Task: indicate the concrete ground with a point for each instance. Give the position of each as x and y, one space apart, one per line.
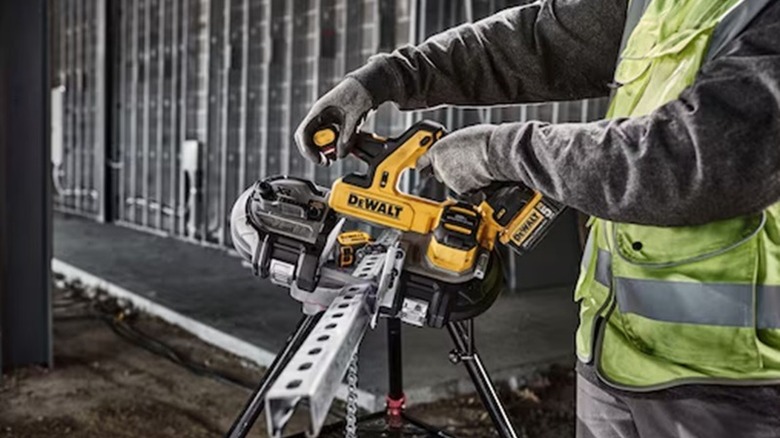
522 333
137 376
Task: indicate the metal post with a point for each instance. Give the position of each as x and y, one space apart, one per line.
183 112
146 115
132 154
104 110
288 88
395 359
465 352
223 123
118 167
264 102
174 139
77 151
25 169
160 102
244 90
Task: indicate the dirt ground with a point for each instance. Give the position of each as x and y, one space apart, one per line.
103 385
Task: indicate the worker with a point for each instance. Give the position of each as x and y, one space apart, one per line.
679 291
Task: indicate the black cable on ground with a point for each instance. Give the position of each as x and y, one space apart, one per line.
116 319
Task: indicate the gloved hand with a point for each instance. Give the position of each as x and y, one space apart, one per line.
344 106
459 160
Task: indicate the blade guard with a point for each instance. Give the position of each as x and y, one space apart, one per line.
375 196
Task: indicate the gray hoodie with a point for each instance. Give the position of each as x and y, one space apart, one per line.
712 154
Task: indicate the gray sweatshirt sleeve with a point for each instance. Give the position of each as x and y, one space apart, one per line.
546 50
712 154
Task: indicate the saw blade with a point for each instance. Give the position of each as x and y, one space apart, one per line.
330 242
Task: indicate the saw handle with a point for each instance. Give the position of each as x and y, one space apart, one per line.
363 145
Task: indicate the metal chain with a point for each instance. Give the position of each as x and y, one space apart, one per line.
352 398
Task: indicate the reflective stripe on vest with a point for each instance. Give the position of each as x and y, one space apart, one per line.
720 304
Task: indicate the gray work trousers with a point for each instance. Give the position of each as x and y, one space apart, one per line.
603 413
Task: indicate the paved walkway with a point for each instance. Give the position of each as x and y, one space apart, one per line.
522 332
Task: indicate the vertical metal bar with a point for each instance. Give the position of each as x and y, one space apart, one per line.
123 111
67 126
147 108
69 180
264 102
72 183
61 38
78 108
89 96
160 103
395 360
469 10
134 107
584 110
83 107
242 130
74 107
288 95
205 171
88 186
182 105
174 139
100 108
243 96
223 125
88 120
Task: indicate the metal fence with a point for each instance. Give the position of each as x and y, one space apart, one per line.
169 108
77 53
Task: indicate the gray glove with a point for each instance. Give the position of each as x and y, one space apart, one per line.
342 108
459 160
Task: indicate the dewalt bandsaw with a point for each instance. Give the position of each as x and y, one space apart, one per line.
511 213
434 264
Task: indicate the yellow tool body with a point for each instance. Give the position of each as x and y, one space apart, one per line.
455 242
376 196
515 215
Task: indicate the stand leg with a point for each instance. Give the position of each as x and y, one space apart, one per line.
243 424
395 396
463 338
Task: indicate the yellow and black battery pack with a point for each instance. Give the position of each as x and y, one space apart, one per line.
523 215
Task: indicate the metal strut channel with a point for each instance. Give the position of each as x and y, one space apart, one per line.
315 372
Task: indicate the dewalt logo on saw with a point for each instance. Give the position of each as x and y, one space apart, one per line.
374 205
527 227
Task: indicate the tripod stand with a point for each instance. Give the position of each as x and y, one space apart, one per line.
393 421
